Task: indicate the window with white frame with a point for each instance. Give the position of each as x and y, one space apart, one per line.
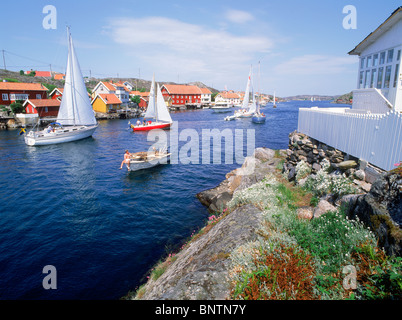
4 96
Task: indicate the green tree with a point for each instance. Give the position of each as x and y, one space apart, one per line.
16 107
135 99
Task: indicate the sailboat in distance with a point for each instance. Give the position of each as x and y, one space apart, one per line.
75 119
156 110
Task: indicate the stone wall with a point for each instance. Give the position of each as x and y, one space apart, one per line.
301 147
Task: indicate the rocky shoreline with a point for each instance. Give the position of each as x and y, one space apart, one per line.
201 269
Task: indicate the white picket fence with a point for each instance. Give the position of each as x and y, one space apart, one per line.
376 138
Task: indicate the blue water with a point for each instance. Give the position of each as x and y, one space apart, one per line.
102 228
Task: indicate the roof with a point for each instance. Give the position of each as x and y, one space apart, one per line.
205 91
46 74
110 98
40 103
22 86
181 89
229 95
377 33
139 93
60 90
59 76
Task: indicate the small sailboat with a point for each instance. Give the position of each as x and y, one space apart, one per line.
274 101
156 110
248 108
75 119
145 160
258 116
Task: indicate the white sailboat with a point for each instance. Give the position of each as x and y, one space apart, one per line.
156 110
258 116
274 101
76 119
248 108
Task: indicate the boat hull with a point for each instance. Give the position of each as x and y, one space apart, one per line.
258 119
221 110
63 135
136 165
151 127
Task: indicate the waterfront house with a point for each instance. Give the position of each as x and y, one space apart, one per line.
372 128
106 103
206 96
228 97
42 107
104 87
182 95
18 91
379 85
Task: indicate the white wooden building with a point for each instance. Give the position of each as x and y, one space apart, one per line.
372 128
379 84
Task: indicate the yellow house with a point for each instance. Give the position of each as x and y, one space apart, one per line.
106 103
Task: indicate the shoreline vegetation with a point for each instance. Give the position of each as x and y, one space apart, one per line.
271 237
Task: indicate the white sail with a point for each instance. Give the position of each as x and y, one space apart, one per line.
151 109
162 111
75 107
247 93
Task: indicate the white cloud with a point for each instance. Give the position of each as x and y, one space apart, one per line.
172 46
238 16
316 65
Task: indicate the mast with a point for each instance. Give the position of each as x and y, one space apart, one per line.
71 73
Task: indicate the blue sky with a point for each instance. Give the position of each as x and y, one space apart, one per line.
302 45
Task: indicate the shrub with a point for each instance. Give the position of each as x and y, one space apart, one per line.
286 273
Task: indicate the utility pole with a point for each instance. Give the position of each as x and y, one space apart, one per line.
4 61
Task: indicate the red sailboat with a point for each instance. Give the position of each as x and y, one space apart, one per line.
156 110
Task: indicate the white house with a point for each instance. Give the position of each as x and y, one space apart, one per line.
372 128
112 88
228 97
379 86
206 96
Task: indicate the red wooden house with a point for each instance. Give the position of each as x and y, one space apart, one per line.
57 93
14 91
182 95
43 107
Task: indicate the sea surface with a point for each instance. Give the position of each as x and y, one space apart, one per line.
102 229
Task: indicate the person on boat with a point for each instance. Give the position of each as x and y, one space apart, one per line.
138 122
49 128
126 160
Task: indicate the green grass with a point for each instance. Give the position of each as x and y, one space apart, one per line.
332 241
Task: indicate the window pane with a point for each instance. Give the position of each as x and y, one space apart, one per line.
382 57
399 55
368 62
390 55
387 78
367 80
362 63
373 74
396 75
361 80
375 60
379 79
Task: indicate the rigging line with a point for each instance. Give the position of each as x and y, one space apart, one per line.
23 57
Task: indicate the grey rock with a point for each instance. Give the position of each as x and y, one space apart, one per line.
200 270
